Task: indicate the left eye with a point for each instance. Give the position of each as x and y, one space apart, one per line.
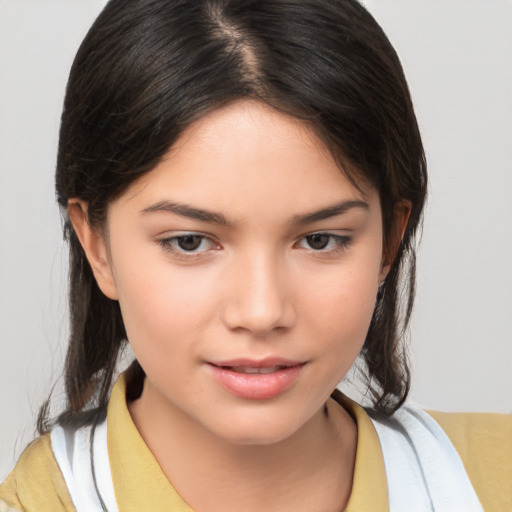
187 243
324 242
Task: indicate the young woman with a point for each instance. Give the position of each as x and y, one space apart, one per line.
242 182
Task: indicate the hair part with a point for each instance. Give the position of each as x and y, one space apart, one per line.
147 69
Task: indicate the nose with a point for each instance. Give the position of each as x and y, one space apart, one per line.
258 298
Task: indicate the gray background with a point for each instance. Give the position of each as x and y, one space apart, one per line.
457 56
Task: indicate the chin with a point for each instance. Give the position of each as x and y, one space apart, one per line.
256 433
256 438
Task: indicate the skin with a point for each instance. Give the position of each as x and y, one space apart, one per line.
256 286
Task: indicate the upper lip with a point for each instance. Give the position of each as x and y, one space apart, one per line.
267 362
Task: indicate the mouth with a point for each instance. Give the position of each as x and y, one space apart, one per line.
256 380
251 370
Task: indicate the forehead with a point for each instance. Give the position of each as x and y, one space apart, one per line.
248 156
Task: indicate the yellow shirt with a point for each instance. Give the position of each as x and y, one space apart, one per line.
484 442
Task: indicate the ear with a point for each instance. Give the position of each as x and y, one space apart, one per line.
401 214
94 245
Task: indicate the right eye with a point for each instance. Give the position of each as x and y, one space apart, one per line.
188 243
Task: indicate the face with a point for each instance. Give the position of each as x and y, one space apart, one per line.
246 266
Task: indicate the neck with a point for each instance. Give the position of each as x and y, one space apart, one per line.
313 465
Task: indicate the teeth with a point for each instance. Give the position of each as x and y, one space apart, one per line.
251 370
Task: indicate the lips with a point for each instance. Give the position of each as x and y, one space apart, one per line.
256 380
253 370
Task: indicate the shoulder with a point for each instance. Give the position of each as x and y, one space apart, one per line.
36 483
484 443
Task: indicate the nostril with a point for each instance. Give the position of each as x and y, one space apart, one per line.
258 299
259 321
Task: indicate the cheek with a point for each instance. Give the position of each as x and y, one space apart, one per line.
161 305
341 309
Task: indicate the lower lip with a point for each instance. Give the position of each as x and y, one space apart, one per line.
256 386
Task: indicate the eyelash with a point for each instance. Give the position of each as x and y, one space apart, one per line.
171 244
337 243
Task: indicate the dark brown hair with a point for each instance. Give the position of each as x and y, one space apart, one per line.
149 68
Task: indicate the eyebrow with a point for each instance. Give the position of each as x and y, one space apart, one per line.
189 212
217 218
330 211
